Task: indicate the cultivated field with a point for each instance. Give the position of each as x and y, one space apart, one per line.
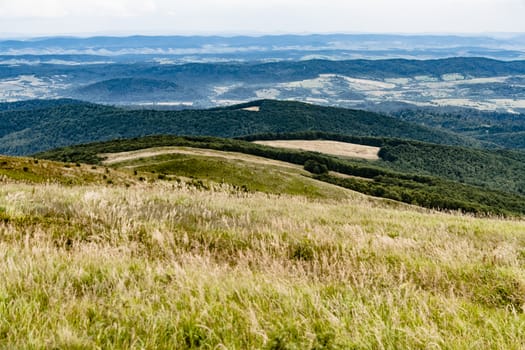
336 148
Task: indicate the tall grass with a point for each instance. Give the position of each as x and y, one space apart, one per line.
168 265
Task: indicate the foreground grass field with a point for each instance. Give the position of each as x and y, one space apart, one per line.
168 264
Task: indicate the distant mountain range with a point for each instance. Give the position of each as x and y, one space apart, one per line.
476 83
478 98
282 47
367 71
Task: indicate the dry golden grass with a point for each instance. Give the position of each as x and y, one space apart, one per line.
336 148
165 265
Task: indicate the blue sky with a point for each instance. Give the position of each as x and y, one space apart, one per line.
88 17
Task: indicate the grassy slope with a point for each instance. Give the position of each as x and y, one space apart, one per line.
208 170
162 265
42 171
244 172
431 192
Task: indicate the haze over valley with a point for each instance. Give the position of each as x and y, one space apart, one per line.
335 70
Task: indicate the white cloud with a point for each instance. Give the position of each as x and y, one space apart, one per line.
77 8
263 16
28 8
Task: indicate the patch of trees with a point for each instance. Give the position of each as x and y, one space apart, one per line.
315 167
501 170
437 194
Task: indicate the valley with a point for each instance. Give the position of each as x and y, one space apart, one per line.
415 164
469 83
157 76
328 89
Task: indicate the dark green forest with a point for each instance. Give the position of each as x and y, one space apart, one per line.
495 129
26 131
498 169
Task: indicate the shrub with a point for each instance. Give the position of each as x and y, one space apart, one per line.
315 167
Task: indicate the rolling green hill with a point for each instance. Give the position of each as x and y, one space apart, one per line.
397 179
451 176
24 132
134 89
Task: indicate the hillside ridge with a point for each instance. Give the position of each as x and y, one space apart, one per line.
67 123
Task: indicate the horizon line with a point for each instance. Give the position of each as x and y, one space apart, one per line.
116 34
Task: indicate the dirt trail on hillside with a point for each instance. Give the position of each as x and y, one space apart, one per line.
113 158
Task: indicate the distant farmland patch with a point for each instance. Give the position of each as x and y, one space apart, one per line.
335 148
252 109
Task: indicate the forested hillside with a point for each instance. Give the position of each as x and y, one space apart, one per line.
25 131
499 169
503 129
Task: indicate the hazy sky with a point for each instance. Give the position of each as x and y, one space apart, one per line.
45 17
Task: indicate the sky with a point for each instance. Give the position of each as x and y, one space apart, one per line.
255 17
